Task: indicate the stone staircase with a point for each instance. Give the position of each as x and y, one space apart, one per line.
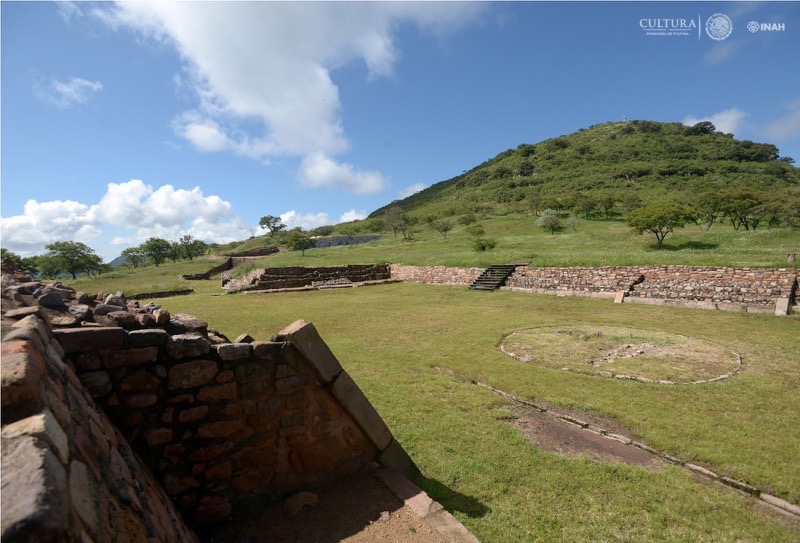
492 277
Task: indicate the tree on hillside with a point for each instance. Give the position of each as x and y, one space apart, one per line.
443 226
134 255
271 223
298 240
549 220
708 208
392 219
660 219
157 249
406 226
467 218
192 247
72 257
743 206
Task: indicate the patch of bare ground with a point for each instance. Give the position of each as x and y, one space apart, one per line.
550 433
357 509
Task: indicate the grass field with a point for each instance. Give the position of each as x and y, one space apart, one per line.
593 243
393 339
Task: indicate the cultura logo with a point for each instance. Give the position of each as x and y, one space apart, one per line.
719 26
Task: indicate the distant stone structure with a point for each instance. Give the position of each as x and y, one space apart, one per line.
297 277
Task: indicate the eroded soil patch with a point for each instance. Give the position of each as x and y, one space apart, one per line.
644 355
552 434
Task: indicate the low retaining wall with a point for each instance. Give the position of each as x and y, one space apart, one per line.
752 289
435 275
264 251
295 277
704 287
162 294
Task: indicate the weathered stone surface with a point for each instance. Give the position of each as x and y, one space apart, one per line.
158 436
214 393
105 309
191 374
113 299
141 381
132 357
123 319
220 429
147 338
193 414
51 299
187 345
90 339
305 338
42 426
186 324
21 312
84 495
34 492
176 484
232 351
396 458
98 383
244 338
81 312
22 371
139 400
302 501
254 370
353 399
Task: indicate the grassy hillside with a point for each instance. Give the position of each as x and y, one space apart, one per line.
628 162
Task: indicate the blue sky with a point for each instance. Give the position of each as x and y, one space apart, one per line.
125 121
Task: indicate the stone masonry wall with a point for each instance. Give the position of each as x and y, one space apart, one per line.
757 289
67 474
435 275
220 427
295 276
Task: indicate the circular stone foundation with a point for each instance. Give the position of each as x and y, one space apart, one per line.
624 353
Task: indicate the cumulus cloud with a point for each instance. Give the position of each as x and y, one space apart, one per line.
353 215
268 65
728 120
138 209
412 189
64 94
309 221
317 170
786 127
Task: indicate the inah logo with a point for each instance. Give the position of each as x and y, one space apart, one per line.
719 26
755 26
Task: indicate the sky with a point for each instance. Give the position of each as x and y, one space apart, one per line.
124 121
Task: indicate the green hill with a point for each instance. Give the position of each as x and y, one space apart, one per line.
620 165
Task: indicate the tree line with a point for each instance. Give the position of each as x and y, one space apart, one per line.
75 258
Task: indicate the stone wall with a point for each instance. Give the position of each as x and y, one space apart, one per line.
753 289
67 473
264 251
221 428
296 277
435 275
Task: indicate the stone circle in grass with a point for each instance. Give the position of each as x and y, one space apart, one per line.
622 352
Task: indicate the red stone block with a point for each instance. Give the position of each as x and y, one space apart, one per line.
220 471
192 374
140 400
141 381
158 436
218 430
193 413
218 393
132 357
90 339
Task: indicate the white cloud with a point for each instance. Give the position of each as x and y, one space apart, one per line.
412 189
293 219
353 215
317 170
308 221
721 52
268 65
137 209
68 10
68 93
786 127
728 120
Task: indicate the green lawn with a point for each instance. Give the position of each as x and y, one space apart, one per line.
594 243
393 338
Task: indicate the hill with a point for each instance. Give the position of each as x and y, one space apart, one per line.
620 165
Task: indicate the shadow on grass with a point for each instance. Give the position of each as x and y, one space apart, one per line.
690 245
453 501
